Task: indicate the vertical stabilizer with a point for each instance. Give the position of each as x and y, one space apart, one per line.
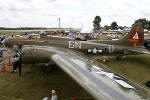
135 37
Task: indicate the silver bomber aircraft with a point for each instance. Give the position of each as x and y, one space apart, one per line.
71 56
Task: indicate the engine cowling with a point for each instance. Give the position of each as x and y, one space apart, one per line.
31 55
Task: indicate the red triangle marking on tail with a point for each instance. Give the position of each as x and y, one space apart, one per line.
135 36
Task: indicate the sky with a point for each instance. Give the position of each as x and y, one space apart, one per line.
72 13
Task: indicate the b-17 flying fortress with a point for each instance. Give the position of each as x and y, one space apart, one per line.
74 49
70 55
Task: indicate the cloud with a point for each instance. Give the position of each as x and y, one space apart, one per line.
73 13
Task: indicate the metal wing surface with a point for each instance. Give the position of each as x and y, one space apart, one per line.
100 83
140 50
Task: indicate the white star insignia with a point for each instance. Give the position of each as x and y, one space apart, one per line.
95 50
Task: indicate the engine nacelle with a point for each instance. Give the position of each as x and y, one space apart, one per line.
31 55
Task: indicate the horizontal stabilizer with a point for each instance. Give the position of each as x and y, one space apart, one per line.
140 50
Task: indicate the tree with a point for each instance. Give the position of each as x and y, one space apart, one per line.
114 26
106 27
120 27
96 22
143 21
148 25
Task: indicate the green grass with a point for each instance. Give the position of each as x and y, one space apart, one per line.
34 85
1 46
15 33
12 32
136 68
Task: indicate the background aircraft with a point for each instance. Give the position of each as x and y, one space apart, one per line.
67 54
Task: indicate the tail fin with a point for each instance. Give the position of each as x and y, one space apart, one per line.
135 37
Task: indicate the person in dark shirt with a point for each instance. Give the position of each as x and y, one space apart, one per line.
16 59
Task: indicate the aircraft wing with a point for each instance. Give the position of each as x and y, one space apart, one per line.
100 83
140 50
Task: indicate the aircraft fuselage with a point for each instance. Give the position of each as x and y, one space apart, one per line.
90 48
